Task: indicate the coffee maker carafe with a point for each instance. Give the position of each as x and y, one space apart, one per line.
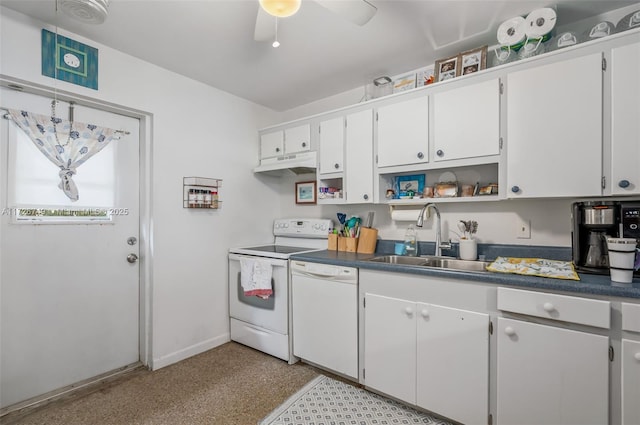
593 222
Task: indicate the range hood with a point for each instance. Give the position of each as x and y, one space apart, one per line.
298 163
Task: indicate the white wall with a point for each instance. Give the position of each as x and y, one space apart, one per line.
197 130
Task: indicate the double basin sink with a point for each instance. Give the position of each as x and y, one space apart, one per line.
434 262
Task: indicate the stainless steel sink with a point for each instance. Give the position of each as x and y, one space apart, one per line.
434 262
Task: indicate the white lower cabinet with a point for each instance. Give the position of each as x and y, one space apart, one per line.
453 363
428 355
630 382
550 375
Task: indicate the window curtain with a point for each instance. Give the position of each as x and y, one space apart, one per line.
67 144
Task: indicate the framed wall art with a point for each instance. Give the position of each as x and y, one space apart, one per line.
447 68
69 60
306 192
473 60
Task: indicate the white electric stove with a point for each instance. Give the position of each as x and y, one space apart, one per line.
265 324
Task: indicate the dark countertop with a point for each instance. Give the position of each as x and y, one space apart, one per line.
589 284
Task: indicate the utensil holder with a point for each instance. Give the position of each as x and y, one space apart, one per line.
332 242
468 249
367 240
347 244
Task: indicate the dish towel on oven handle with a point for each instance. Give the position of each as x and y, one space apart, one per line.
255 277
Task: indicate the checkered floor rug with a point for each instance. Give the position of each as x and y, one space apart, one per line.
325 401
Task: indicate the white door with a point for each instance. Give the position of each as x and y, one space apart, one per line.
69 297
625 125
459 339
359 154
297 139
403 132
554 129
466 121
332 146
549 375
390 346
271 144
630 382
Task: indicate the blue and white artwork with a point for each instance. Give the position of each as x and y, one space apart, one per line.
69 60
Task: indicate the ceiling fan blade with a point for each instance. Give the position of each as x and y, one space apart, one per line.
357 11
265 26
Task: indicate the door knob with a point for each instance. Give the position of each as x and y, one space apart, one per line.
132 258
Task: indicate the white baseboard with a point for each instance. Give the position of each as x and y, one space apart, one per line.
187 352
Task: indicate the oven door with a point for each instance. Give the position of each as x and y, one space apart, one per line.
270 314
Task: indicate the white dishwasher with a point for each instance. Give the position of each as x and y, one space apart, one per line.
325 315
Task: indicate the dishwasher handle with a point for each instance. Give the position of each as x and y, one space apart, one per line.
324 271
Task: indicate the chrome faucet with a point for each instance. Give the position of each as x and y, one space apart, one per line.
420 221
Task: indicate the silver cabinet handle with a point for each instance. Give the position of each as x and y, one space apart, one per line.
132 258
277 149
440 153
366 197
420 155
337 166
515 189
624 183
304 144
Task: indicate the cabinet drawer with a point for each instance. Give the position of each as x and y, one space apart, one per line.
557 307
631 317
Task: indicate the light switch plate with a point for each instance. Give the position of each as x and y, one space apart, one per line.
523 229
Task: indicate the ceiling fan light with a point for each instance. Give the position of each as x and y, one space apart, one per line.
280 8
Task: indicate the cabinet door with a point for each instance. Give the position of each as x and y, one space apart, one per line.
325 337
359 157
554 129
630 382
625 122
332 146
390 346
453 363
297 139
467 121
548 375
403 132
272 144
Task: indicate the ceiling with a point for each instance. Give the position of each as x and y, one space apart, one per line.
321 54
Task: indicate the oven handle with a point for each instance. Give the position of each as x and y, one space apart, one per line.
275 262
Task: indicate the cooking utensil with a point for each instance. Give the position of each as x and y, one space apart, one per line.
369 222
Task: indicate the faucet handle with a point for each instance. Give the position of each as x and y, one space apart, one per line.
446 245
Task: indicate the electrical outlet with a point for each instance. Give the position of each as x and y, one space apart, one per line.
523 230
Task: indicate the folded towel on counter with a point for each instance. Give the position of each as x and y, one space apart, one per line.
534 267
255 277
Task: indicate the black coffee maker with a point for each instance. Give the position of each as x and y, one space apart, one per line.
593 222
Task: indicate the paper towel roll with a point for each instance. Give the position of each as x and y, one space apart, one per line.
405 215
539 23
511 32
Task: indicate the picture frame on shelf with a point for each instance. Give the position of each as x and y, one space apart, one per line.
473 60
306 193
425 76
405 185
447 68
404 82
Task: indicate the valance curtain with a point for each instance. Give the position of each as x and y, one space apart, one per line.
67 144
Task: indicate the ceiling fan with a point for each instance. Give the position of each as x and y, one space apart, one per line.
357 11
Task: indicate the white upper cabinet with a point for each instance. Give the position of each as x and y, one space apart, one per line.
297 139
287 141
359 157
625 120
466 121
271 144
554 129
403 132
332 146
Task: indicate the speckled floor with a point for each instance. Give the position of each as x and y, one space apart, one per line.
228 385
